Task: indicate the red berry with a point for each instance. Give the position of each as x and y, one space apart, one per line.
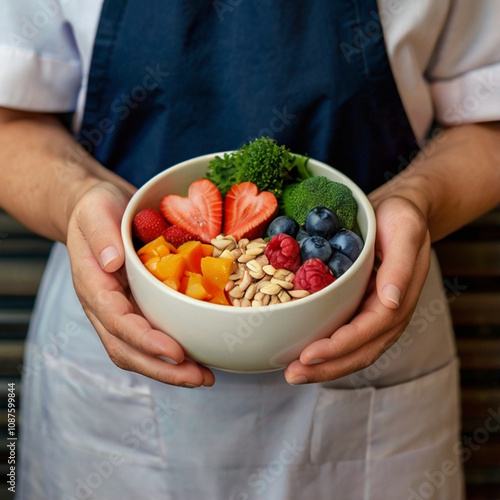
148 225
200 213
313 275
283 252
177 236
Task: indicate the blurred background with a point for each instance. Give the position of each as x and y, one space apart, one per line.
470 261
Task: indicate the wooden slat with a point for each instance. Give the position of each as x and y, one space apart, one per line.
476 308
479 354
469 258
476 401
26 247
10 227
20 276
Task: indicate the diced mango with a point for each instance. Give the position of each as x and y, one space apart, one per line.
156 248
192 252
195 288
217 270
220 298
170 267
208 250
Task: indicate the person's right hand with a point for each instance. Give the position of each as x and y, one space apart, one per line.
97 257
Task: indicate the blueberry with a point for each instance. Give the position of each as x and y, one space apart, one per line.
347 242
283 224
321 221
315 247
301 236
339 263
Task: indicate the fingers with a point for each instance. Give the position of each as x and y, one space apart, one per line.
130 341
98 216
381 319
184 373
402 233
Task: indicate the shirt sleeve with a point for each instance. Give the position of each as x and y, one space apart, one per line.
464 73
40 68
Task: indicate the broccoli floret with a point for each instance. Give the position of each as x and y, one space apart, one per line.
262 162
299 198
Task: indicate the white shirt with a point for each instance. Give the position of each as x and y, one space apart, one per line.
444 55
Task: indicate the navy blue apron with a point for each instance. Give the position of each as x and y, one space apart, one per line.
171 80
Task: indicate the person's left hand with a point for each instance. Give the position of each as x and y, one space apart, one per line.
403 248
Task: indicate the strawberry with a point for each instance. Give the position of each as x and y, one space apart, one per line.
247 212
148 225
177 236
199 214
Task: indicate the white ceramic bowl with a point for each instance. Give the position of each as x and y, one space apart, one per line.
244 340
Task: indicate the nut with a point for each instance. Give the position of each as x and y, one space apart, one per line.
269 269
226 254
245 258
271 289
245 281
274 300
254 251
237 253
236 292
281 274
250 291
243 243
284 297
262 260
299 294
282 283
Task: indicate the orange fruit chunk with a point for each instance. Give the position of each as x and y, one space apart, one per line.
156 248
195 288
217 270
192 252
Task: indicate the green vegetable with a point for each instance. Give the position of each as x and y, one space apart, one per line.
299 198
262 162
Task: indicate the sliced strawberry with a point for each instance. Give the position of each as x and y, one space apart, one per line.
177 236
148 224
199 214
247 212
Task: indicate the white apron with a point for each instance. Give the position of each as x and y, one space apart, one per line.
93 431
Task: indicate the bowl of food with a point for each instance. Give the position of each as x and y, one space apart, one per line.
244 278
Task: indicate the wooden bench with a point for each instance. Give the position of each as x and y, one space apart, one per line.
469 258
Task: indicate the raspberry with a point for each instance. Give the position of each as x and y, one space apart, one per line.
283 252
313 275
148 225
177 236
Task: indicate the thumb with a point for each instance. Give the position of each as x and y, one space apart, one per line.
402 246
98 216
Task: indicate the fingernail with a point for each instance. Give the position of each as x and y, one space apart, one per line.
168 360
316 361
301 379
108 255
188 385
392 293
